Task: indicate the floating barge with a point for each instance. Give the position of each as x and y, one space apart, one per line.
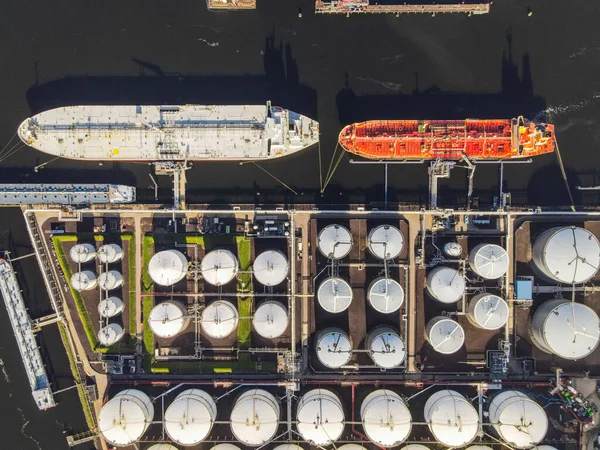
65 194
494 139
368 7
230 4
22 329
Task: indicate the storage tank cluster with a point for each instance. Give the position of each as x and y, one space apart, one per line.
86 280
333 347
448 285
386 419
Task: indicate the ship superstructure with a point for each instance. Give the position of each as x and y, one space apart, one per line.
494 139
173 133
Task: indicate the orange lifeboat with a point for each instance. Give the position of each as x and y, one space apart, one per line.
494 139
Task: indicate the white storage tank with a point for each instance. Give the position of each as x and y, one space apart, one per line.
110 307
335 241
351 447
162 447
110 334
451 418
110 280
289 447
386 347
484 447
453 250
334 295
414 447
320 417
487 311
255 417
84 281
168 267
517 419
82 253
445 335
168 319
225 447
126 417
386 242
110 253
270 319
385 417
567 329
219 319
489 261
219 267
189 419
333 347
270 268
569 255
445 284
385 295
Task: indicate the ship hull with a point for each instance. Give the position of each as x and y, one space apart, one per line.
497 139
169 133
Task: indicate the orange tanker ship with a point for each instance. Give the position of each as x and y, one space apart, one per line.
448 139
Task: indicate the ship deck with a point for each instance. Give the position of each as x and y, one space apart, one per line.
64 194
28 347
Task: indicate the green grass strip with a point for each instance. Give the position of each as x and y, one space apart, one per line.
87 411
57 241
132 300
244 285
148 250
148 304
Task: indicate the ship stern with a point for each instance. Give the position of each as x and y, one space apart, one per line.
26 132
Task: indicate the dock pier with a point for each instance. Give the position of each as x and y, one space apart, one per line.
366 7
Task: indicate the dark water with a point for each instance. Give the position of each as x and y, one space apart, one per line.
334 69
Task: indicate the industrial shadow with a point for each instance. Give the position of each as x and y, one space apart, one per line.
280 84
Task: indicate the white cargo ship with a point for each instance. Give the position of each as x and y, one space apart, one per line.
172 133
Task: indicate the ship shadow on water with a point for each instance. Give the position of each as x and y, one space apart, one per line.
154 86
515 97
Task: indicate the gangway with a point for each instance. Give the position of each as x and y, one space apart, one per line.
23 331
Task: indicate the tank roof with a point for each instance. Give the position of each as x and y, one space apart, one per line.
125 418
572 255
110 280
334 348
84 280
386 295
167 267
110 334
335 241
489 311
225 447
270 319
320 417
270 267
451 418
109 253
572 330
518 419
219 267
445 335
81 253
489 261
255 417
189 419
110 307
386 242
386 418
167 319
219 319
445 284
334 295
386 347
